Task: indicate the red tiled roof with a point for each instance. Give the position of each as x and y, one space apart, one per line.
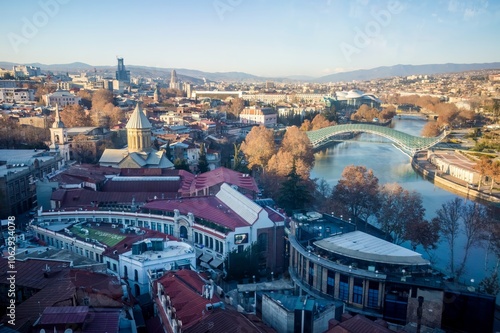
98 283
222 175
274 215
359 324
95 320
184 288
84 172
227 321
208 208
54 288
30 272
170 188
64 315
83 198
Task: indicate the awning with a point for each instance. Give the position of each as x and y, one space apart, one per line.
204 264
206 257
216 263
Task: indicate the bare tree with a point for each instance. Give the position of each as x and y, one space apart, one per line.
475 224
400 208
448 217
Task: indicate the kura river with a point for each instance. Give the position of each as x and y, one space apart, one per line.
392 166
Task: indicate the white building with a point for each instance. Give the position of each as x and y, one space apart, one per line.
21 71
256 115
16 95
151 258
61 97
214 224
454 164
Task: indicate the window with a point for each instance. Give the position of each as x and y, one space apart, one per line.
311 273
262 241
125 272
357 292
344 287
373 294
136 275
211 243
195 237
114 267
153 225
330 283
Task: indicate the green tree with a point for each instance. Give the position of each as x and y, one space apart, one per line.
181 164
294 193
239 264
330 112
202 160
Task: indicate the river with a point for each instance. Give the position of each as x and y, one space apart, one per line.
390 165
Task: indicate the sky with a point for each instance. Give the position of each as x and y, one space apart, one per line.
261 37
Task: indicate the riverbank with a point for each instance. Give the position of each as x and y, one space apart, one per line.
430 172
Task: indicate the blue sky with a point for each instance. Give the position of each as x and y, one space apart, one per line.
261 37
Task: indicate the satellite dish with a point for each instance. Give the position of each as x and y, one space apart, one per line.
42 331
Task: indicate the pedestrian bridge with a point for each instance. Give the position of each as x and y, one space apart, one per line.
406 142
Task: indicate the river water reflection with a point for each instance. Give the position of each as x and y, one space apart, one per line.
392 166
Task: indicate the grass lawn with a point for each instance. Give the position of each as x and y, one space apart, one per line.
101 236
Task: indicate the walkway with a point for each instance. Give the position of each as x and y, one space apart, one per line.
407 142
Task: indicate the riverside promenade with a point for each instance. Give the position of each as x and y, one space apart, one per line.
429 171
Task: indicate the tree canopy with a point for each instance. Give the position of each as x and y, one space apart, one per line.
358 191
258 147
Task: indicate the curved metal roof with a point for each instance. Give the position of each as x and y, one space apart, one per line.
362 246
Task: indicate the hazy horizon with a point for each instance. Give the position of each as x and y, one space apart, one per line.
263 38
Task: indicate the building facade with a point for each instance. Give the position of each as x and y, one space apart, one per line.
16 95
255 115
380 279
61 98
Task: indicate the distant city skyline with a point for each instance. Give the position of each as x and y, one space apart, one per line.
265 38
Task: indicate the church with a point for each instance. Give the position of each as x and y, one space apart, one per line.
139 152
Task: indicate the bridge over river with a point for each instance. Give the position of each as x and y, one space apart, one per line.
406 142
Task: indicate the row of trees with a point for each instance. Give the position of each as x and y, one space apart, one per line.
318 122
101 110
16 136
367 114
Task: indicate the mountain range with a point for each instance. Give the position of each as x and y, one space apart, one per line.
197 76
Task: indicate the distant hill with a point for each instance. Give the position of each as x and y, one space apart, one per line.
197 76
404 70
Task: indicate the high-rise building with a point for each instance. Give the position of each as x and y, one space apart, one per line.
122 74
174 82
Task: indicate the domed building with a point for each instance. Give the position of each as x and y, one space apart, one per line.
139 152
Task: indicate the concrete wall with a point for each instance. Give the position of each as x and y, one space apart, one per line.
276 316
